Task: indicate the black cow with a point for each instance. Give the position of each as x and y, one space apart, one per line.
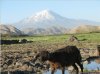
9 41
23 41
62 58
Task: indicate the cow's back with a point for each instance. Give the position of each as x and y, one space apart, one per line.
68 55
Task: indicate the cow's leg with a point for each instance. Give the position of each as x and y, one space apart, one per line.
63 70
53 70
81 66
76 68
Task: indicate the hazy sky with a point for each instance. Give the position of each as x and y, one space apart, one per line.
12 11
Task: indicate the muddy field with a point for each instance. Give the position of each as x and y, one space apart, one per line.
15 61
19 58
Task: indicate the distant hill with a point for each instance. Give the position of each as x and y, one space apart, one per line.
9 30
85 29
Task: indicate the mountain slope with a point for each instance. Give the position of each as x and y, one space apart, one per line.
45 31
9 30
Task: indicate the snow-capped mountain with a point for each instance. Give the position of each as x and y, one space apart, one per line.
49 22
49 18
43 19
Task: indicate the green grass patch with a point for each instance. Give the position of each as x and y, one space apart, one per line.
90 37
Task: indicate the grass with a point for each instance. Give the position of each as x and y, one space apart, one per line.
93 37
89 37
39 38
90 40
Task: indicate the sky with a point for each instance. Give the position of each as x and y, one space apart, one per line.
12 11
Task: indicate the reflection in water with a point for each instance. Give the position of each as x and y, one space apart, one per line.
57 72
91 66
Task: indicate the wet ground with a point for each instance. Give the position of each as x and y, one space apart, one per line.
22 63
90 67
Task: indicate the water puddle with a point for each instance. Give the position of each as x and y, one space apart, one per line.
91 66
57 72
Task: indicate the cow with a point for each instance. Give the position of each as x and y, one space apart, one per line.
23 41
9 41
61 58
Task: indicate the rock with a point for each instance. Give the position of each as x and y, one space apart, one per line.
24 67
18 64
72 38
30 68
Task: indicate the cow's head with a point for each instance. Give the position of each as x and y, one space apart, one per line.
42 56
